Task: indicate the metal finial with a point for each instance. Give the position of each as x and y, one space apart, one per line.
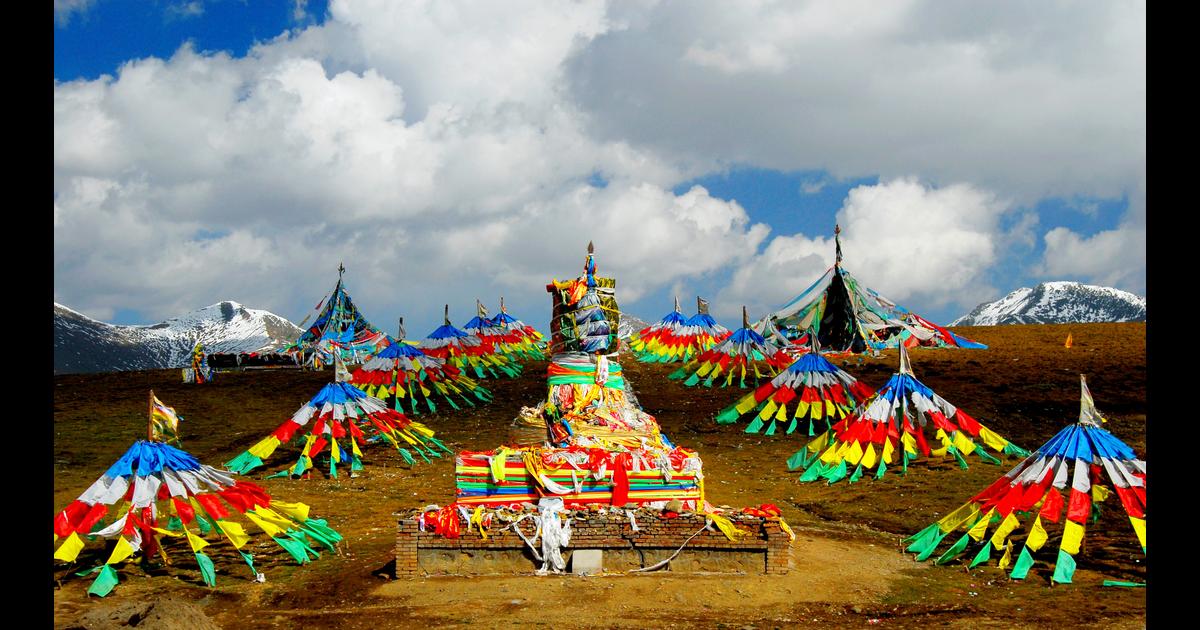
837 230
341 270
591 248
446 316
745 317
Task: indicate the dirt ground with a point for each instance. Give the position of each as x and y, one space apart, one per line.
849 570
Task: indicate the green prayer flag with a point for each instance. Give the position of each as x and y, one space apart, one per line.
983 556
954 550
1021 568
207 571
857 474
815 470
798 460
1064 568
104 583
728 415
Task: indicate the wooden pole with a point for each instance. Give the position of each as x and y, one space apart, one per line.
150 417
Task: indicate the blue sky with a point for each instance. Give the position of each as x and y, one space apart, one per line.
98 39
440 148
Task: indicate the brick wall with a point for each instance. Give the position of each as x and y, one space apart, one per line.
657 538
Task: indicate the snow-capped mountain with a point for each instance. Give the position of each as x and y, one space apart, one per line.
82 344
629 325
1058 303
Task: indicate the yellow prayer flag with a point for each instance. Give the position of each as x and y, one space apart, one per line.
993 441
854 453
267 526
69 550
869 458
195 541
1139 527
1072 536
1037 535
264 448
979 529
122 551
297 511
235 533
1009 523
963 443
1007 557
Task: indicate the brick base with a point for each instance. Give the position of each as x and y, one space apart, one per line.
767 549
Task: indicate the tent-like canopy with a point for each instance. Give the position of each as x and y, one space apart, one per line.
339 328
156 490
742 350
820 391
885 428
402 370
341 411
1073 463
848 316
467 351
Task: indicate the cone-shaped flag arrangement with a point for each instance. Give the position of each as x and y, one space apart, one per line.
510 343
467 352
667 342
525 340
849 316
890 426
200 502
401 371
811 390
658 337
745 351
341 411
339 328
1067 472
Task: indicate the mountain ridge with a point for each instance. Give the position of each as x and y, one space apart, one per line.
86 345
1058 302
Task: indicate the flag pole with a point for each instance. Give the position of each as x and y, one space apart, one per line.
150 418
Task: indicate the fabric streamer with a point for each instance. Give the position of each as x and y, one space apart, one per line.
154 482
341 411
1074 462
891 427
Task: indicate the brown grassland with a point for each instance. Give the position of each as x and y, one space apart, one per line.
849 569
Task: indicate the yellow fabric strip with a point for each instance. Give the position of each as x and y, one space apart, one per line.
1139 527
235 533
263 449
1072 537
993 441
69 550
267 526
298 511
1037 535
979 530
122 551
1009 523
195 541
